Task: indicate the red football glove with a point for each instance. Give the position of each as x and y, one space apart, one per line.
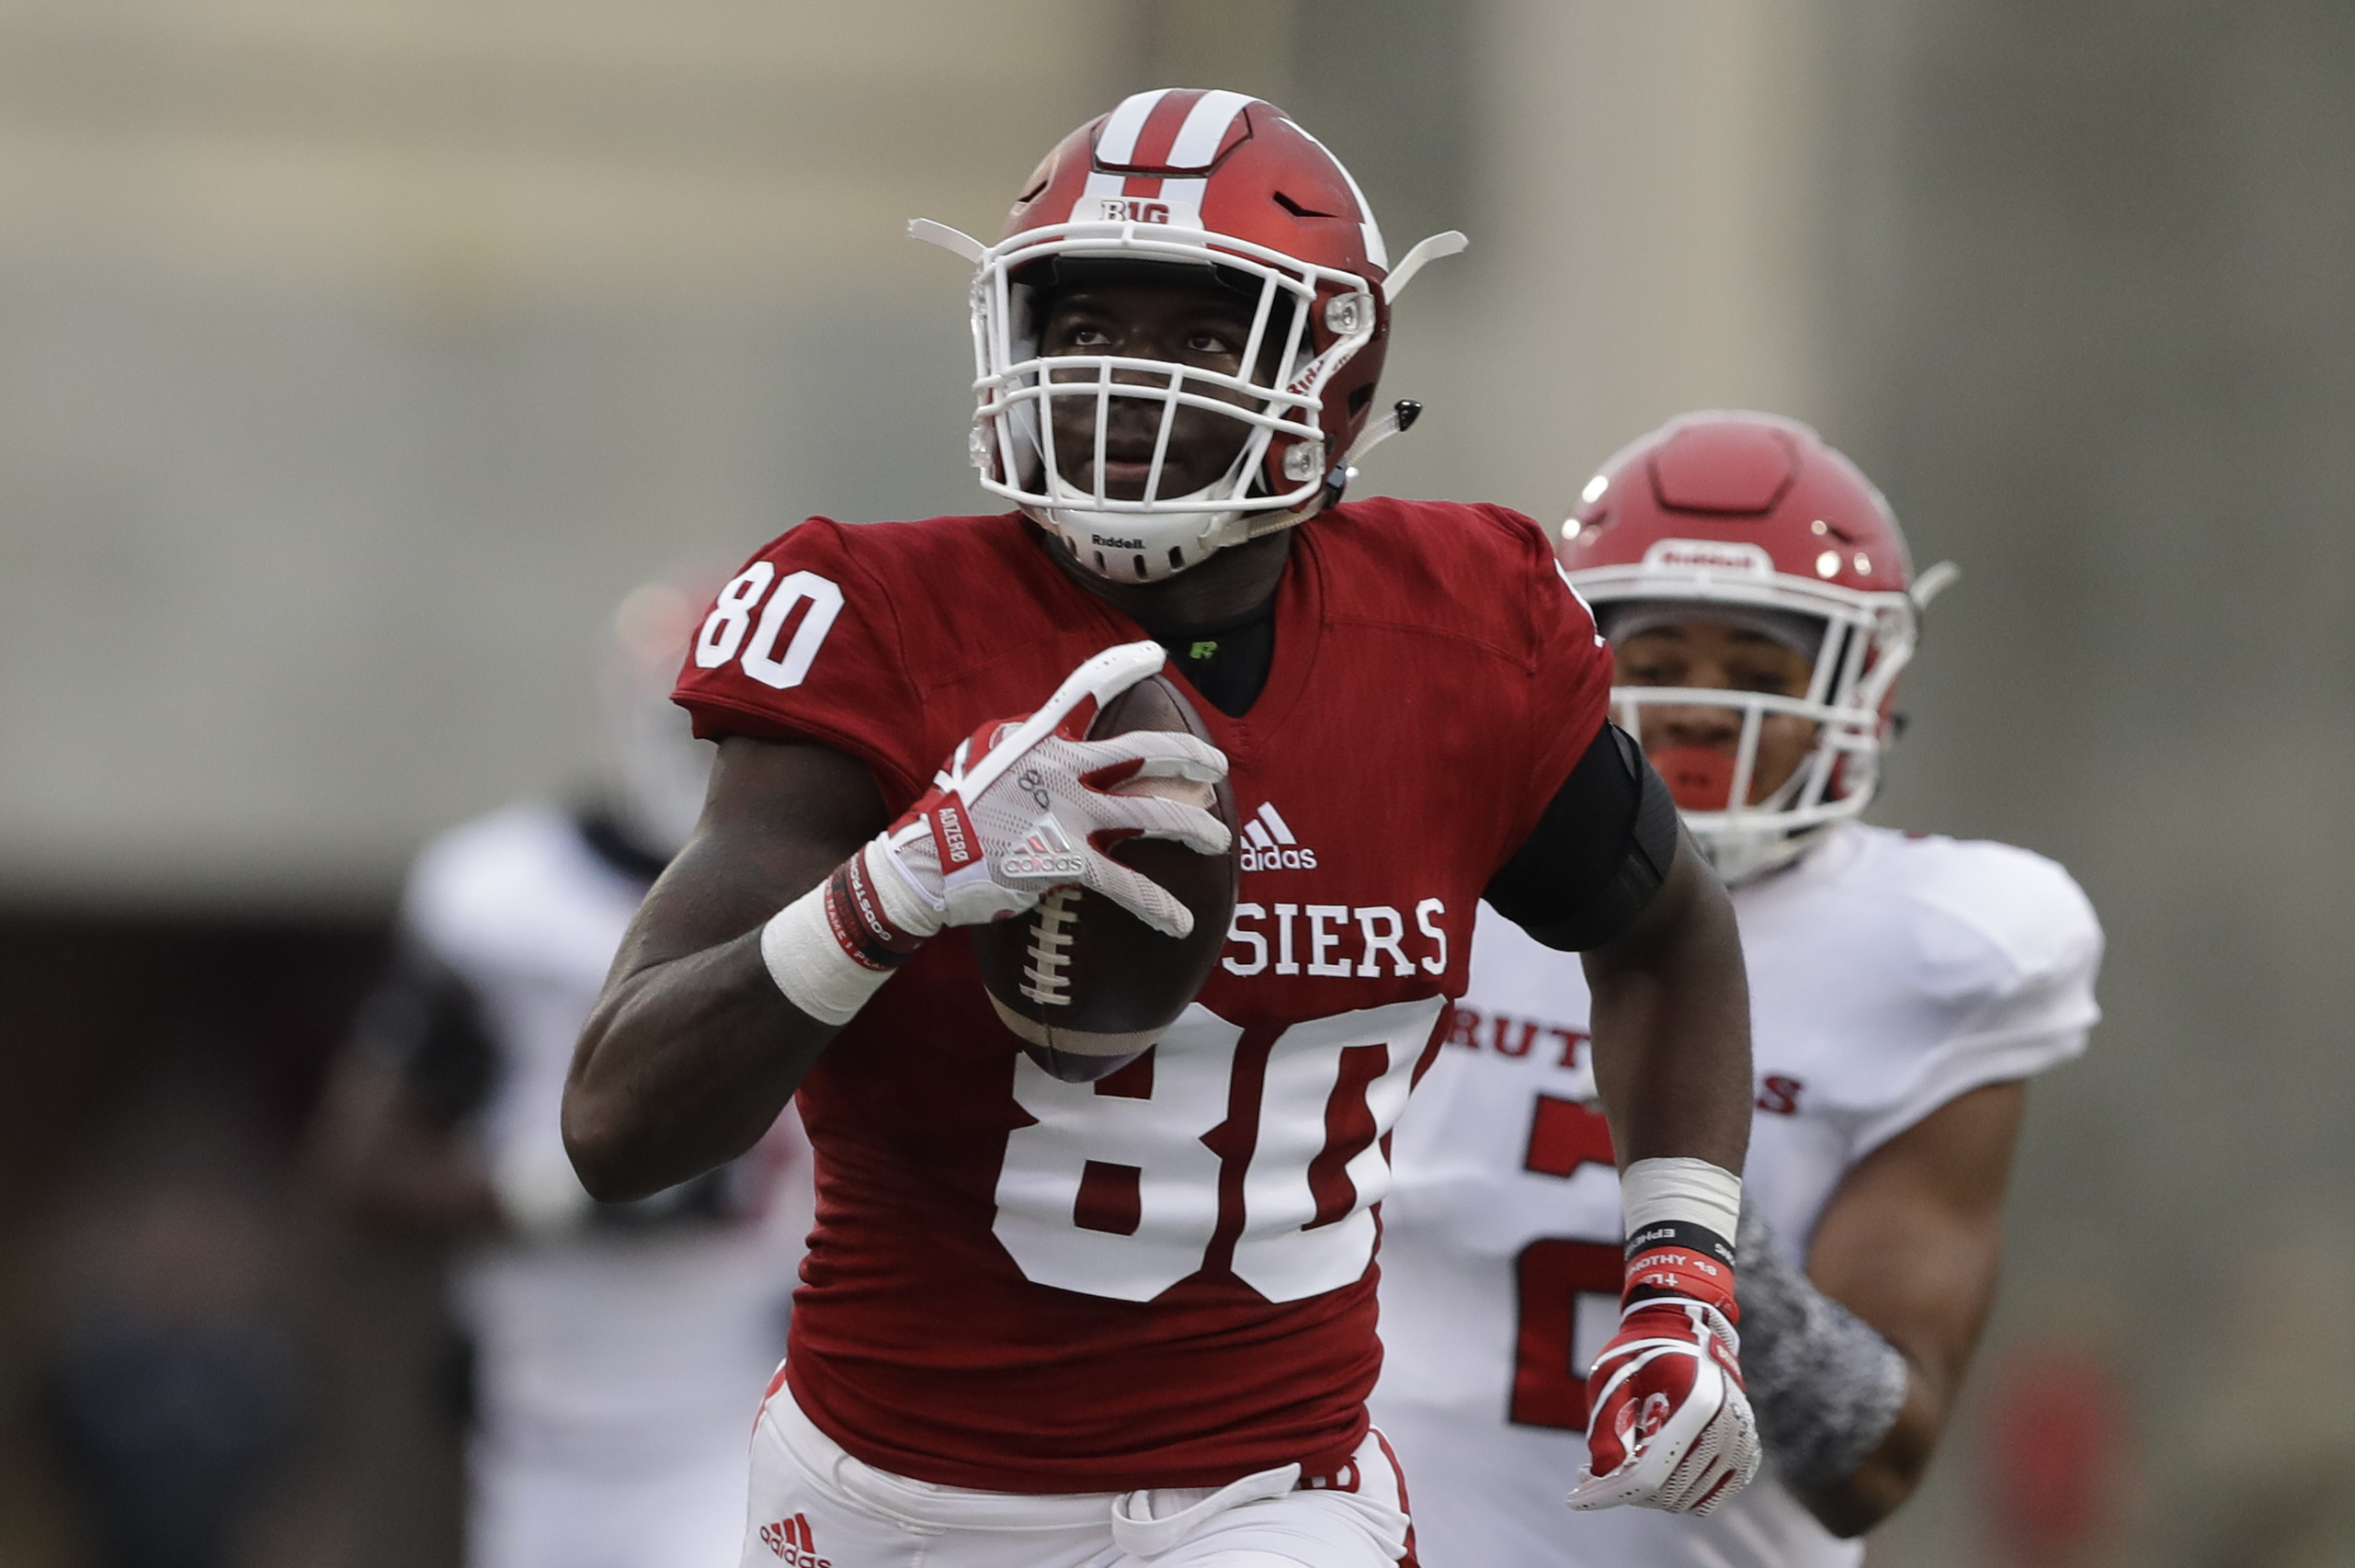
1671 1426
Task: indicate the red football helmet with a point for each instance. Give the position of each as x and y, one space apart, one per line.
1185 177
1735 514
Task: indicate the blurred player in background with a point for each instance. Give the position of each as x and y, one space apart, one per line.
613 1344
1056 1321
1760 607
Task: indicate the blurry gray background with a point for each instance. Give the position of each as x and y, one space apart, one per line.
356 358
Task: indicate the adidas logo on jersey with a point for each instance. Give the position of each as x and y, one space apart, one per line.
1269 844
791 1541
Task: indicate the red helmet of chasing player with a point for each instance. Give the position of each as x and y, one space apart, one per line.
1732 515
1230 187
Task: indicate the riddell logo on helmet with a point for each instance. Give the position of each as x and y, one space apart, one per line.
792 1543
1709 555
1107 541
1269 844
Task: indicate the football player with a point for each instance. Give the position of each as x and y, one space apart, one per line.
1760 607
1047 1321
612 1344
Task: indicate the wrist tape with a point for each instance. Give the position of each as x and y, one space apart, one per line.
1680 1187
1681 1216
830 949
1826 1387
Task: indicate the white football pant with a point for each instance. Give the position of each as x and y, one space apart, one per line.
815 1507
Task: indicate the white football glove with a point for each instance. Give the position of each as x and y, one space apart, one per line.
1670 1424
1022 804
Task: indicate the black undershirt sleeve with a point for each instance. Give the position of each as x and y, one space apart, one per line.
1598 854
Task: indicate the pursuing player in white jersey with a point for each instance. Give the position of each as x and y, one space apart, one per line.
613 1344
1756 596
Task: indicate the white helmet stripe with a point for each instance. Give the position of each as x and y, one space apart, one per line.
1118 142
1205 127
1376 252
1184 192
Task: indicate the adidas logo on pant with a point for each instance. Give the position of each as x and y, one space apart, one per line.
1269 844
791 1541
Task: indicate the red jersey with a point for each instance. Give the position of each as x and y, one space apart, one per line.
1164 1278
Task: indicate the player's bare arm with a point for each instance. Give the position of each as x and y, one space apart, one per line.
693 1050
685 1068
1672 1024
1669 1427
1910 1243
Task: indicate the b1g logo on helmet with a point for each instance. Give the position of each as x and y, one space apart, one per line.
1140 210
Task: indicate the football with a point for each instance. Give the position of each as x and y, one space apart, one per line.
1082 984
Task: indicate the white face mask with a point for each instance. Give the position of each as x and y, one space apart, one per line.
1857 642
1156 535
1138 548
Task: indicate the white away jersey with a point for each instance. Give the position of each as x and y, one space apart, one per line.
616 1350
1888 974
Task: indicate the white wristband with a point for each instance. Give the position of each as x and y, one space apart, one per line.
810 966
1681 1188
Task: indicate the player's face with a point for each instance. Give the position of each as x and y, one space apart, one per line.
1184 323
1715 657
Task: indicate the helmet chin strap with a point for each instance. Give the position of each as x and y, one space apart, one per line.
1070 502
1075 523
1219 528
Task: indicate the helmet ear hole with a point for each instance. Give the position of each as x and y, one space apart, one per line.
1359 398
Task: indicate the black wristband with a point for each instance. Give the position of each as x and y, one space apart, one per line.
1681 1233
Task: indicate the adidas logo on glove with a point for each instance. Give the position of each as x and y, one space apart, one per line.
1045 854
